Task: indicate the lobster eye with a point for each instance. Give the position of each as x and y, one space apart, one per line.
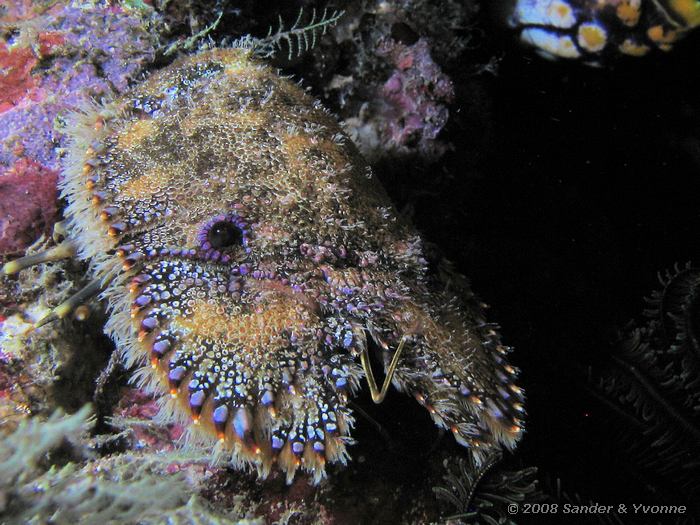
224 234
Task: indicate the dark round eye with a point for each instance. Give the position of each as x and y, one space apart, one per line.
223 234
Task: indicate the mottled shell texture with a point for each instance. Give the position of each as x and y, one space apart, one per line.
249 256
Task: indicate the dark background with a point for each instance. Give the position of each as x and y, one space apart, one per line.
589 186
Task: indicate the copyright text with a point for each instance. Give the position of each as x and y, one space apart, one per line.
594 508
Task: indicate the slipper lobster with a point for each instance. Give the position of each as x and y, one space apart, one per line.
250 262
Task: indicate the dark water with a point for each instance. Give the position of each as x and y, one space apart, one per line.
590 187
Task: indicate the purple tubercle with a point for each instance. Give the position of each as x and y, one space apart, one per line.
142 300
220 415
197 399
177 373
242 422
149 323
267 398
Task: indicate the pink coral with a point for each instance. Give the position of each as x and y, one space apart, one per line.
16 83
27 204
137 405
415 96
58 58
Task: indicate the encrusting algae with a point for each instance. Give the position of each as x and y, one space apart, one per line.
251 262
